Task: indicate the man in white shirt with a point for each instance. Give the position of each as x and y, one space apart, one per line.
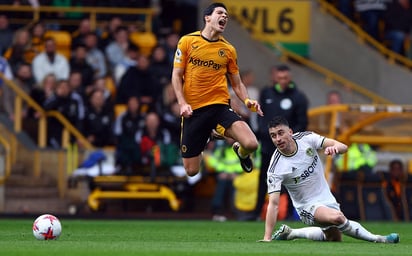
50 62
297 165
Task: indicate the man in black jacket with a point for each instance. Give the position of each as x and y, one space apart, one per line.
280 98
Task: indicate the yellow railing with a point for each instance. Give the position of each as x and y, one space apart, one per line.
331 76
21 96
7 159
364 37
92 11
374 114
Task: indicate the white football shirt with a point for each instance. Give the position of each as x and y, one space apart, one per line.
301 173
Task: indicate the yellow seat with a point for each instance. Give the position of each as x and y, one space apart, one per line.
110 85
63 41
119 109
146 41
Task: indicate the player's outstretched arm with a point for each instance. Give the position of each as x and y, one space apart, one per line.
334 147
241 92
271 216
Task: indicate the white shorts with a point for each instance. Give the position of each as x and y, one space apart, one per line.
307 212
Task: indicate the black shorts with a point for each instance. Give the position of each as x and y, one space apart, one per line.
196 129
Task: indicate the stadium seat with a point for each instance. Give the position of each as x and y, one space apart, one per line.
111 86
63 41
347 193
408 197
373 204
119 109
146 41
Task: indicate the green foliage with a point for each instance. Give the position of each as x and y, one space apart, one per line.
165 238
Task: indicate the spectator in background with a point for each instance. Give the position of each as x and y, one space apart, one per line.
99 120
77 95
129 61
21 50
171 45
139 81
280 98
116 50
95 57
6 70
371 11
50 62
171 120
62 102
334 98
24 80
100 84
361 157
38 31
78 36
78 62
6 34
153 139
161 66
248 78
393 186
107 33
127 153
225 163
398 24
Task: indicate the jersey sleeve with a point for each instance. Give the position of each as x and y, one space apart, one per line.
181 53
274 183
315 140
232 67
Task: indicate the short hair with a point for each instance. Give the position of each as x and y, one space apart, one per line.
282 67
395 162
278 120
209 10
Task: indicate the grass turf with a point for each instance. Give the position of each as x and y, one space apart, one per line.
164 238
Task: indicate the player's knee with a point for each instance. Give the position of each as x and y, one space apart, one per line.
191 172
251 145
339 218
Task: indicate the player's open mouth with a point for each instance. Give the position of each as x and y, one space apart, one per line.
222 23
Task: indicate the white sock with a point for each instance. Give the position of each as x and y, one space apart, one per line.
356 230
311 233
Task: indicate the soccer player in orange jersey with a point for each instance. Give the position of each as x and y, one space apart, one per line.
203 62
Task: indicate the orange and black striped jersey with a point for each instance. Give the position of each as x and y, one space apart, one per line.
205 65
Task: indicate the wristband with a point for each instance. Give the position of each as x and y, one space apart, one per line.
249 105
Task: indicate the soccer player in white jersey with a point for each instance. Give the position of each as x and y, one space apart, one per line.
297 165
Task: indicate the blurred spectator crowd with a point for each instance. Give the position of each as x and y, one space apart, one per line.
112 82
387 21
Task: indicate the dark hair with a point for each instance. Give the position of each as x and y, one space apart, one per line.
278 120
282 67
395 162
209 10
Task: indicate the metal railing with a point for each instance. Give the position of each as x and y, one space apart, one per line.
374 114
147 13
330 76
365 37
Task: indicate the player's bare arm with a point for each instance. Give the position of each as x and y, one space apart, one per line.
240 89
271 216
177 82
333 147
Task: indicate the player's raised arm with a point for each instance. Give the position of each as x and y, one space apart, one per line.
334 147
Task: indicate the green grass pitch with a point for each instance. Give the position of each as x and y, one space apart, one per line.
180 237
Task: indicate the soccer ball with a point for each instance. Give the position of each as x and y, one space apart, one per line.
47 227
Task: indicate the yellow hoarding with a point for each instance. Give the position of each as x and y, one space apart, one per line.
285 22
